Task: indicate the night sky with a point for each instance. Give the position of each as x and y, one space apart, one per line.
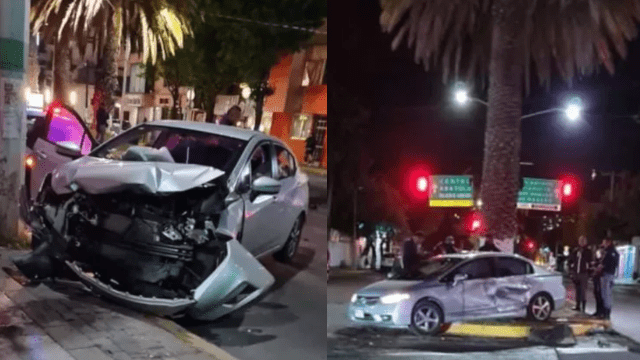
452 138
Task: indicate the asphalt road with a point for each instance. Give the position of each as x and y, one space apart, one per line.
287 323
625 314
346 341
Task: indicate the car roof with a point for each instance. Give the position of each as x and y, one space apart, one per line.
224 130
477 255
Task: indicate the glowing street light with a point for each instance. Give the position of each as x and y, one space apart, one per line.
461 96
422 184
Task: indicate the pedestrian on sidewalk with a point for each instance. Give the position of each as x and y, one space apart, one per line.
610 263
310 147
489 246
579 262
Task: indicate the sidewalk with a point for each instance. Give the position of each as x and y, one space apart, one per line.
72 324
313 170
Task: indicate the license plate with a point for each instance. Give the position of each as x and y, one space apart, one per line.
359 314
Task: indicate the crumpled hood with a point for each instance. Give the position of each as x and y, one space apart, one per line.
385 287
102 176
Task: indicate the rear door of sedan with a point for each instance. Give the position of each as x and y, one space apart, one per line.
509 286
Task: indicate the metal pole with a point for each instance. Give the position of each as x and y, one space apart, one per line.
14 42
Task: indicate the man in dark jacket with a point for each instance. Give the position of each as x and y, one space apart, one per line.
579 263
596 267
489 246
410 258
610 263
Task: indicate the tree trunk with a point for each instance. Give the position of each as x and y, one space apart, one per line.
109 82
260 100
61 71
500 173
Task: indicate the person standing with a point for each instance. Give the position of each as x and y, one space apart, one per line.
489 246
378 249
103 121
610 263
409 255
579 265
232 116
597 276
310 147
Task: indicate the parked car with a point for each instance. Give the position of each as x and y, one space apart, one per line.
457 287
167 217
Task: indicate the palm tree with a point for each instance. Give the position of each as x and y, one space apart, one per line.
504 38
149 26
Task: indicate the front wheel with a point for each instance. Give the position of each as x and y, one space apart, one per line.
540 307
426 318
290 247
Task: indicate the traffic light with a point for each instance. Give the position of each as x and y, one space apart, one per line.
569 188
419 183
475 223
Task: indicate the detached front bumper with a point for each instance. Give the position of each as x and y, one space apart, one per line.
381 315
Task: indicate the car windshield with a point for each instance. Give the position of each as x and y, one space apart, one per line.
437 267
166 144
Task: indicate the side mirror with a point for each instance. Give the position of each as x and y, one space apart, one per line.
266 186
459 277
68 149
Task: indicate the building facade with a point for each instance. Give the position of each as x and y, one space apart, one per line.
297 109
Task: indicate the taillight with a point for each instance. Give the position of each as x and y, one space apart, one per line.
29 161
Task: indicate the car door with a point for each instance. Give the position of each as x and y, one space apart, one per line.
260 211
285 201
509 286
477 302
61 125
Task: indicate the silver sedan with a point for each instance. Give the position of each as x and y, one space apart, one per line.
450 288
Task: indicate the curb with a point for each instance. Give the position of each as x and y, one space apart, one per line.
506 331
578 327
190 338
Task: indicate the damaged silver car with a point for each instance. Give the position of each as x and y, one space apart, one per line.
167 217
460 287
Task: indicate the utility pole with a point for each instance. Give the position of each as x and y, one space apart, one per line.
14 35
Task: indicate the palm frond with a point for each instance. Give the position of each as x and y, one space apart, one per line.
565 36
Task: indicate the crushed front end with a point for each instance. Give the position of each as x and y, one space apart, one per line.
156 252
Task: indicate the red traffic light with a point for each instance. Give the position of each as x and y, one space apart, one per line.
422 184
475 223
419 183
569 188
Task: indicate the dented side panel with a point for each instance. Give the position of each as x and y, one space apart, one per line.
218 294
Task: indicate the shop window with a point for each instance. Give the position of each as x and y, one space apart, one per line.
301 127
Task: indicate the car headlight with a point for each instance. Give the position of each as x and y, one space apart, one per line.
354 298
394 298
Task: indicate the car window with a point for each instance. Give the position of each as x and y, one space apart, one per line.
66 127
286 163
511 267
166 144
476 269
260 162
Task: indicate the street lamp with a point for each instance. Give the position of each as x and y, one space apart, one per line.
572 110
612 177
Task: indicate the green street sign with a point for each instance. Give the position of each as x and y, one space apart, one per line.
539 194
451 191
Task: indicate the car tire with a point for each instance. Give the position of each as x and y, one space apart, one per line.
426 318
290 247
540 307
